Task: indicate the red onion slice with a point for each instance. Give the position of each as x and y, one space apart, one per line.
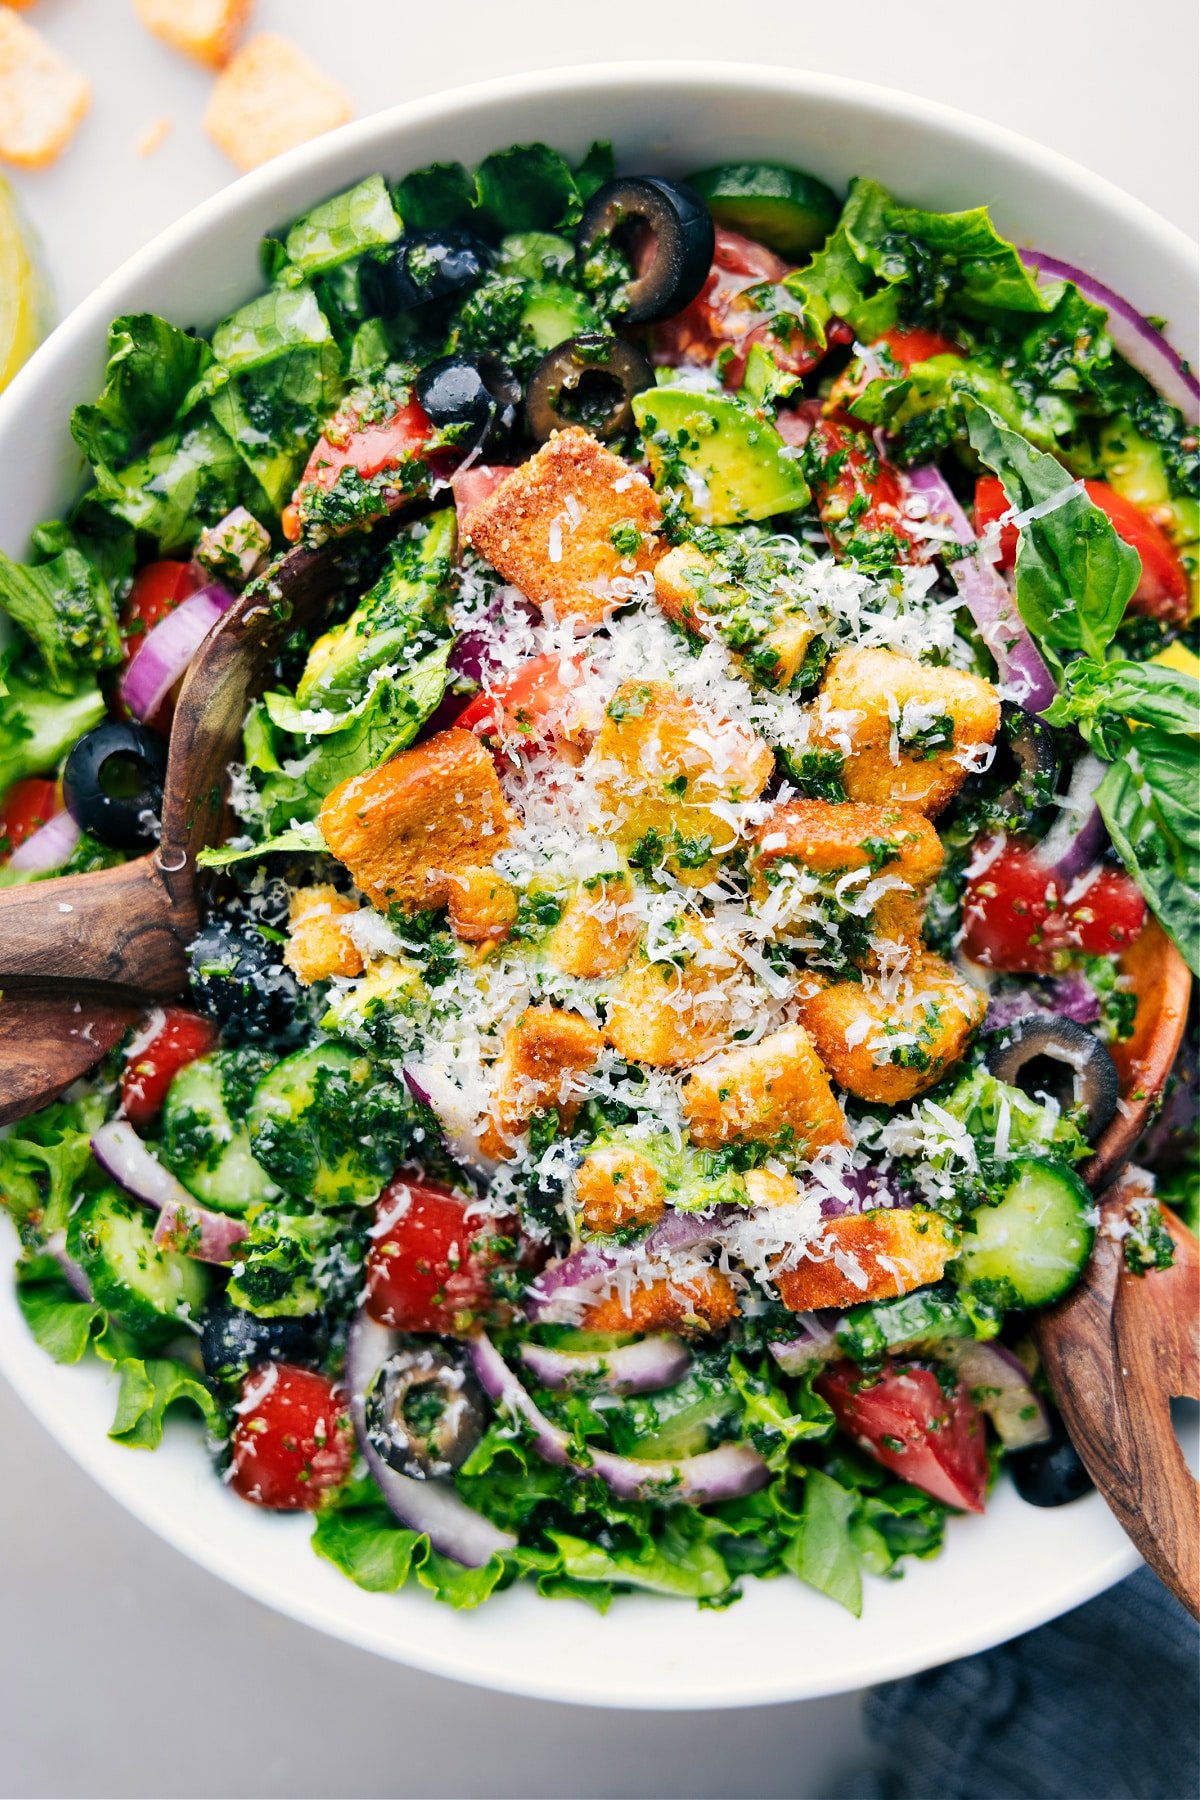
184 1226
1078 835
1001 1388
46 848
727 1473
77 1281
814 1343
191 1230
642 1368
1019 662
1141 344
572 1278
168 649
436 1508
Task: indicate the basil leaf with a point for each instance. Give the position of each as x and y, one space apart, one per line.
1148 802
822 1551
1102 698
1074 575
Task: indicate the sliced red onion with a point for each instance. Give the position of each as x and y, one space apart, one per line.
727 1473
587 1267
1070 996
1141 344
814 1343
1078 835
863 1189
433 1088
77 1281
1001 1388
169 647
195 1231
1019 662
436 1508
238 542
47 848
642 1368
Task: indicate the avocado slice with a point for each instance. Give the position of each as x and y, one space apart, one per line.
1133 466
731 463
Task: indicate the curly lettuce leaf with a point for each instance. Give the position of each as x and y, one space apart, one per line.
152 369
348 225
38 726
186 480
64 606
42 1159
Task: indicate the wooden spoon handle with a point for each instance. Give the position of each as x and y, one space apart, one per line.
114 929
49 1039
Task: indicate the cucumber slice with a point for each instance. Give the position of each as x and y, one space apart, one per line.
306 1131
925 1317
1031 1247
152 1292
790 212
554 312
201 1143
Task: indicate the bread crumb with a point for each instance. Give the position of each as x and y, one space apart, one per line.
42 98
154 136
204 29
268 99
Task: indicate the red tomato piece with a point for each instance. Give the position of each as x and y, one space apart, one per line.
157 590
724 321
909 1422
858 492
28 805
370 448
428 1268
524 709
1020 919
915 345
1162 590
179 1039
293 1441
473 485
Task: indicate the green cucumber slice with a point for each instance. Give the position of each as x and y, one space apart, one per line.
792 213
1033 1245
202 1144
152 1292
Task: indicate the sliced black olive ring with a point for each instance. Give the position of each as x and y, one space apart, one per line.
425 1411
113 783
1062 1059
684 239
590 381
1027 743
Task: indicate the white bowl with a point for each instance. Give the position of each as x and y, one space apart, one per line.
998 1575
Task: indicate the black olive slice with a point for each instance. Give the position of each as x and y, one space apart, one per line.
1049 1474
590 381
1028 750
637 208
232 1341
425 1411
427 265
454 393
113 783
1057 1057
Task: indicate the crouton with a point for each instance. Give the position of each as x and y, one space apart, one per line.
405 829
909 732
704 1302
204 29
267 99
598 929
895 844
550 527
42 98
319 946
483 907
545 1052
616 1188
672 1011
769 642
887 1042
760 1092
766 1189
668 769
869 1256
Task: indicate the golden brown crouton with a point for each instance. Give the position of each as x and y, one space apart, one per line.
668 766
205 29
319 946
483 907
617 1187
545 1052
405 829
549 527
908 731
763 1188
666 1013
888 1042
760 1092
268 98
680 589
705 1302
598 929
42 98
869 1256
893 842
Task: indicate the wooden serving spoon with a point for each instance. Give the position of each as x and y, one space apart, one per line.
80 956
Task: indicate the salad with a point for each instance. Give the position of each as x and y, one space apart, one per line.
687 918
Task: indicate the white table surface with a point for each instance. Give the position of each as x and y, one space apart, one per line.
124 1670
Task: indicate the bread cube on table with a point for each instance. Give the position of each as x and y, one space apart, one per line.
549 527
204 29
42 98
268 98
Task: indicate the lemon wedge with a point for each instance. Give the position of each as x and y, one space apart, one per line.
24 302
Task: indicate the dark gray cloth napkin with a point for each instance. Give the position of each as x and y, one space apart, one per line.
1103 1704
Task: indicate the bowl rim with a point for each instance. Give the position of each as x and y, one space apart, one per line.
89 321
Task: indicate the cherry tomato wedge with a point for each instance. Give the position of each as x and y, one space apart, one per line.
1021 919
1162 590
915 345
429 1266
179 1039
293 1441
927 1434
27 807
369 449
473 485
858 492
157 590
524 710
